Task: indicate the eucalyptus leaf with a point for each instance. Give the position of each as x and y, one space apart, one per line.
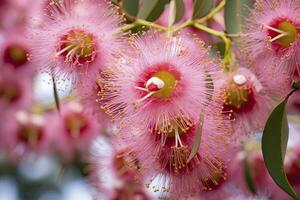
202 8
248 177
131 7
197 141
180 10
274 144
55 93
220 48
151 9
235 11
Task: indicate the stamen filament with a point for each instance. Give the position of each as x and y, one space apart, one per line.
279 36
145 97
63 50
274 29
140 88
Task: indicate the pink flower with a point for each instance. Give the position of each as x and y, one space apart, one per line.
14 52
163 156
112 174
74 130
25 133
74 43
15 92
160 81
249 98
272 34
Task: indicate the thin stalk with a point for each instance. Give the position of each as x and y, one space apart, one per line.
55 93
143 22
222 35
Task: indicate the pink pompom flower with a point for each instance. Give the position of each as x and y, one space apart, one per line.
164 157
76 40
161 81
14 54
74 130
24 133
272 34
15 91
112 174
249 98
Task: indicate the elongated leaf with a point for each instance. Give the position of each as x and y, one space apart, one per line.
151 9
180 9
131 7
55 93
248 177
284 137
202 8
274 143
146 8
197 141
235 11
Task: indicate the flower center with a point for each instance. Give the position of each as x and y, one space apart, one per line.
30 134
76 124
77 47
15 55
283 33
9 93
175 151
237 94
162 83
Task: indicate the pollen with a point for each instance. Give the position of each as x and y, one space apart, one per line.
77 47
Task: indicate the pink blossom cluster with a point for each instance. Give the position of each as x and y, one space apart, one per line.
140 103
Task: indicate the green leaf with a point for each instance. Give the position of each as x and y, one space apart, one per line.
296 85
235 11
248 177
202 8
151 9
131 7
274 144
197 141
219 47
180 9
55 93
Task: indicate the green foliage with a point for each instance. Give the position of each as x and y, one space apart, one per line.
235 11
274 144
55 93
180 9
197 141
248 177
131 7
151 10
202 8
